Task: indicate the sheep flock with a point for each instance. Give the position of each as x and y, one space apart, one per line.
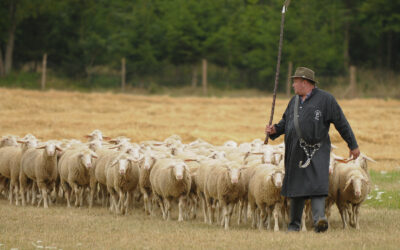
159 176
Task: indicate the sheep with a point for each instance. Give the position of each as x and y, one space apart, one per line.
200 180
75 168
122 178
8 140
170 179
39 165
223 185
265 194
351 185
105 156
96 135
10 161
146 164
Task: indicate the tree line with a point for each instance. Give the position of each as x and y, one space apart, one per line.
238 37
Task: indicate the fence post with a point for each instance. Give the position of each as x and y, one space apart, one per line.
123 73
44 65
353 81
290 68
204 77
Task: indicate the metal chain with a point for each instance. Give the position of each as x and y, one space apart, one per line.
314 148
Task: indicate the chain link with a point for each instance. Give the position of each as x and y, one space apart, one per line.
307 147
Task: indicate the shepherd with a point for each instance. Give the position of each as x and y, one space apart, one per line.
305 124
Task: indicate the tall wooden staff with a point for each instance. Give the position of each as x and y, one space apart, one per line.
278 65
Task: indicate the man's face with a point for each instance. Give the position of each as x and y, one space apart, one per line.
298 86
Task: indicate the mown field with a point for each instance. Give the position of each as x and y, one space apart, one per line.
57 115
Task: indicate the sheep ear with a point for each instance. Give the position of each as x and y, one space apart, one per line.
106 138
94 155
22 141
171 166
59 149
369 159
88 136
41 147
114 162
348 183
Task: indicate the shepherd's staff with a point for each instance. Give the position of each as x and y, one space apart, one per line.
278 65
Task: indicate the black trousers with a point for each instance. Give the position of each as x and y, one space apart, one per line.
296 210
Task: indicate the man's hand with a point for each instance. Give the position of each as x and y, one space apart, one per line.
270 129
354 153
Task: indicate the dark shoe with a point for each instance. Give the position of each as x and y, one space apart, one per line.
321 226
291 229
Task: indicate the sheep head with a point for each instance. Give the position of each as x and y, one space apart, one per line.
86 157
122 162
8 140
50 149
147 161
356 180
95 145
178 169
233 171
277 178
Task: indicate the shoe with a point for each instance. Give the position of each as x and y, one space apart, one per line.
321 226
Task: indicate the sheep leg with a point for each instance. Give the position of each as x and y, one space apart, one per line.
261 219
343 214
228 214
211 210
253 215
276 216
146 203
240 207
42 186
113 202
121 201
303 221
168 208
34 191
22 185
127 202
356 216
81 196
203 202
181 205
16 190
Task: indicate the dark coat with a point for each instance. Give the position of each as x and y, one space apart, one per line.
316 114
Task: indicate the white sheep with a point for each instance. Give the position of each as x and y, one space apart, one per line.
122 180
97 135
223 185
351 185
8 140
39 165
265 194
75 168
171 180
146 164
10 161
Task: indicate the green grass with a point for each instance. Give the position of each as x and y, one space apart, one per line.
385 192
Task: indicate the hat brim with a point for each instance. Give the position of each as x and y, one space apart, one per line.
304 78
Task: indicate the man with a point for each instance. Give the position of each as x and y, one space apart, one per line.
308 146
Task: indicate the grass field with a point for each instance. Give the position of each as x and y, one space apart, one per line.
57 115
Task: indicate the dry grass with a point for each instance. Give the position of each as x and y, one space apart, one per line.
56 115
98 229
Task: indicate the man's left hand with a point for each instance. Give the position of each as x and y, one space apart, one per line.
354 153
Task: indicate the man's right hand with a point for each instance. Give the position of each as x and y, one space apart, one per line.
270 129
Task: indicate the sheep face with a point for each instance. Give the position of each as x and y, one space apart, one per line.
147 162
122 165
50 149
94 145
179 170
8 141
268 157
86 159
133 152
277 178
233 173
356 181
